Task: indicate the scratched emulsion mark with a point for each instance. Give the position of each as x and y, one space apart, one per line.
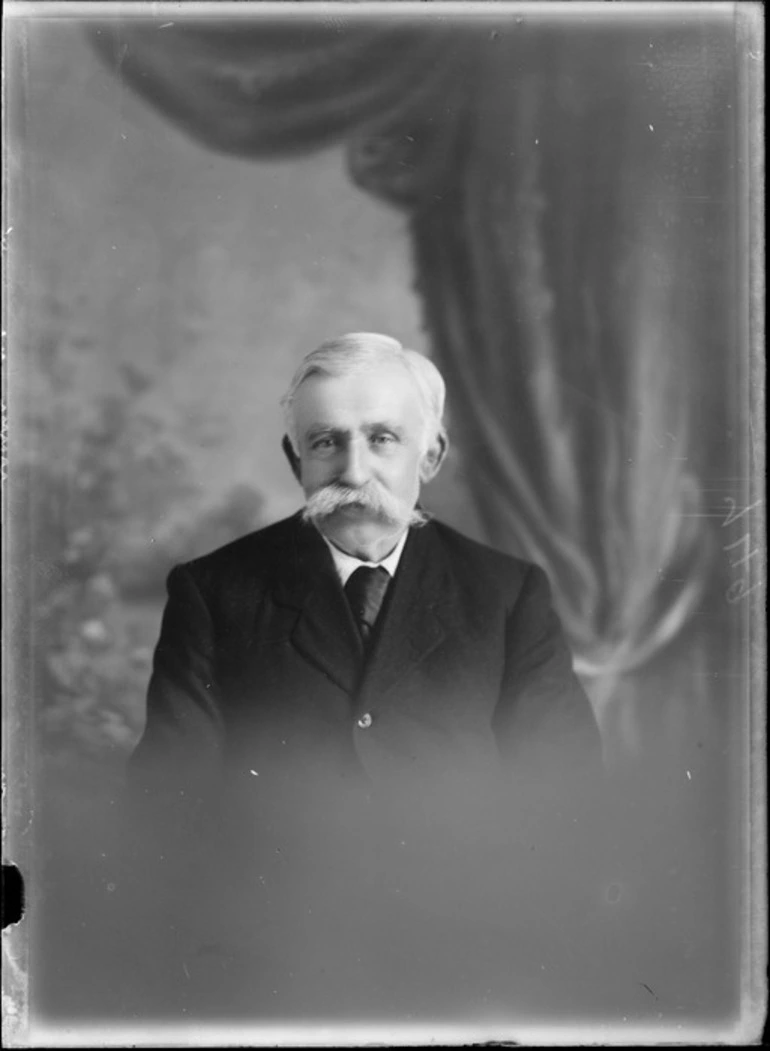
650 991
743 551
613 893
15 977
3 440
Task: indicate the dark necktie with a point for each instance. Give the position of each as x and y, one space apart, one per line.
365 591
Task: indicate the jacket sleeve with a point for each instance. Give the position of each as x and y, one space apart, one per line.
543 715
168 811
180 752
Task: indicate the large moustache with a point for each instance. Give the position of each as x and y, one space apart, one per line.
370 497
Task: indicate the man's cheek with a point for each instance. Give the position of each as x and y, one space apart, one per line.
313 477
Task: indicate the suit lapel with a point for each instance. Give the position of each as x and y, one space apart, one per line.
324 632
411 624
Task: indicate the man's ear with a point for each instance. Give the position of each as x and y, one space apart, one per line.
433 458
292 457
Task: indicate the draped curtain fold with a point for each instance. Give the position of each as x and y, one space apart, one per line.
276 88
551 178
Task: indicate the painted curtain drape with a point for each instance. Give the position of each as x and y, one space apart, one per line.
567 188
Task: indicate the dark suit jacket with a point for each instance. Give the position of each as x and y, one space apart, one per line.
259 668
258 686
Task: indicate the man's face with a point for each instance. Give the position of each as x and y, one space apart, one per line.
365 432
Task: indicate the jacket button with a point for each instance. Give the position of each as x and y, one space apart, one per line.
365 721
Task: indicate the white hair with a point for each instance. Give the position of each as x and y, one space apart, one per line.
359 351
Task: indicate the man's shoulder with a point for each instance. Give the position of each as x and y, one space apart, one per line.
481 560
259 549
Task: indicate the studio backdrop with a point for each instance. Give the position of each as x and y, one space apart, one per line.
554 209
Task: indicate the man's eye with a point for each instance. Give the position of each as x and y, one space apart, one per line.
322 443
382 439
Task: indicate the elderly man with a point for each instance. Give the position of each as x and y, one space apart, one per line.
359 638
371 726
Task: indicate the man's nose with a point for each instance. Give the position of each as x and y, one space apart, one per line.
355 464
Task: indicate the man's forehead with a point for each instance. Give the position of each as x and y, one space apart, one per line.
383 388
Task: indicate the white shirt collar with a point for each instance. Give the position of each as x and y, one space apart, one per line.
346 564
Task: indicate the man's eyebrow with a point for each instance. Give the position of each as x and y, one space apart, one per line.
385 425
317 429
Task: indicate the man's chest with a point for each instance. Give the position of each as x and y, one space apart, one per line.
298 687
